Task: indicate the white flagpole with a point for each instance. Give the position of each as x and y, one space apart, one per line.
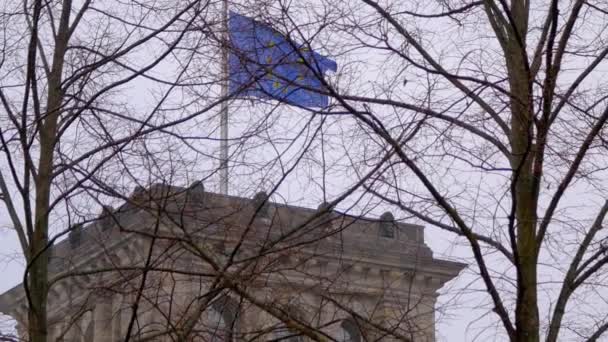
224 104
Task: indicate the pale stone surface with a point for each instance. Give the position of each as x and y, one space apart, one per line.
309 260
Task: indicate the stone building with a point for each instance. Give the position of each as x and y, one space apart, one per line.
177 263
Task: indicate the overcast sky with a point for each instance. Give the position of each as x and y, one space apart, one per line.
359 71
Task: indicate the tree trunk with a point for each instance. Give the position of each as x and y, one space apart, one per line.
524 192
38 272
525 196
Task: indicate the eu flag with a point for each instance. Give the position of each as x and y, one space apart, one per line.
264 63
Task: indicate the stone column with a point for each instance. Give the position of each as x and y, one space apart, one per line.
102 316
21 331
120 321
71 335
55 331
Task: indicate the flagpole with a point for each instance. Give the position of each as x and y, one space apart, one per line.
224 104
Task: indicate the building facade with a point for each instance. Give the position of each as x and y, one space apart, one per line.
184 264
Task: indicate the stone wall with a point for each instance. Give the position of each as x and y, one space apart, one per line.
214 258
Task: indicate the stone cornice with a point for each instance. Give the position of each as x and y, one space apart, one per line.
217 219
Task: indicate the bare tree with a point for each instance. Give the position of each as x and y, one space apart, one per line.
494 115
484 119
68 122
99 98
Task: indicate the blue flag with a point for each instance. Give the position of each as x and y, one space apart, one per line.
263 63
